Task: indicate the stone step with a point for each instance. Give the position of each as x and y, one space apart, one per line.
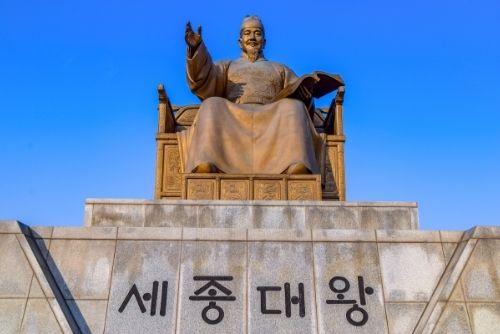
252 214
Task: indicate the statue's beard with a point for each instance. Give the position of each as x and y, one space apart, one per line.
253 53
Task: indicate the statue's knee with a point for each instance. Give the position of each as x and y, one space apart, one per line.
292 104
213 102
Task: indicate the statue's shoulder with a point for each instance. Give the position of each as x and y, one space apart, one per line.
282 69
278 65
224 63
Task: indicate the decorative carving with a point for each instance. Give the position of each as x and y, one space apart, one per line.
185 115
301 190
172 170
200 189
251 187
267 190
234 189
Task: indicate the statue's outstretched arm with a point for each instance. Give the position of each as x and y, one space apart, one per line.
205 78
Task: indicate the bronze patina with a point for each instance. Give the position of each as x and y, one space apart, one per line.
255 128
255 114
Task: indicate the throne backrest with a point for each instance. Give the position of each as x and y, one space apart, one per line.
185 115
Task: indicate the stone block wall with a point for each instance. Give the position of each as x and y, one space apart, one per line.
130 279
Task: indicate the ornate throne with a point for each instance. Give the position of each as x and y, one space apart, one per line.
173 182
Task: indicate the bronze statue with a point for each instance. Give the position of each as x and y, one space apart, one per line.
255 116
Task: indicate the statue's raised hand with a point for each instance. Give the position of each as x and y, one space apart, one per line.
193 39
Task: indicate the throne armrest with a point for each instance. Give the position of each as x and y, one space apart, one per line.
166 118
333 123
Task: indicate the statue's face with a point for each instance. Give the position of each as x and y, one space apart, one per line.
252 39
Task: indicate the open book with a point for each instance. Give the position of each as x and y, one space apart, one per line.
318 83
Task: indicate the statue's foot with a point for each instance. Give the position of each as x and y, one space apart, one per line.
205 167
298 168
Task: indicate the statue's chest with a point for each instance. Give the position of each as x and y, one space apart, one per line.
249 82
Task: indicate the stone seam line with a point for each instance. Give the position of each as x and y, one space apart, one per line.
40 268
450 276
110 283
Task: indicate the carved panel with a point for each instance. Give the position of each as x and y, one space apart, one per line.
172 169
201 189
301 190
251 187
235 190
330 174
186 115
268 189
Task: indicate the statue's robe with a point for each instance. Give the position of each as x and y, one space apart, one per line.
238 127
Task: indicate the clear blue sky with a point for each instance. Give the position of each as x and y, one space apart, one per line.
422 110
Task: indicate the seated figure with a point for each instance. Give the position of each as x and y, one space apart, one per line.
254 117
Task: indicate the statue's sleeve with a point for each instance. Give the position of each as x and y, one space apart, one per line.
288 76
290 84
205 78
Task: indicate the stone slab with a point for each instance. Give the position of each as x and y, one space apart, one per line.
41 232
82 267
225 216
278 274
90 315
456 294
451 236
11 314
432 320
252 214
36 253
39 318
481 276
408 236
118 214
485 317
343 235
410 271
171 215
15 270
150 233
344 272
276 217
225 234
485 232
150 267
36 290
402 317
279 235
94 233
9 226
453 320
212 269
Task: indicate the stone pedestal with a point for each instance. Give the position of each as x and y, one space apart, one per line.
252 214
248 267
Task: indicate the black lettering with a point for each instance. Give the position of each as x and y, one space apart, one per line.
133 292
263 299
